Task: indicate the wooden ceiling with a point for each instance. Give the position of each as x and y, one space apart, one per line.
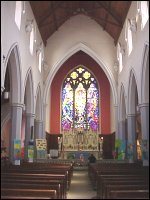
50 15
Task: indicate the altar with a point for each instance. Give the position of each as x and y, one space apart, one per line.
80 140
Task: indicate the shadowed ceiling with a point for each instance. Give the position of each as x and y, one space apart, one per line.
50 15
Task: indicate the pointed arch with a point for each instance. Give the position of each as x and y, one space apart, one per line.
145 76
13 62
122 113
92 54
38 104
132 89
80 100
29 92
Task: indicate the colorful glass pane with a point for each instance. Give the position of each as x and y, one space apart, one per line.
67 107
92 107
80 101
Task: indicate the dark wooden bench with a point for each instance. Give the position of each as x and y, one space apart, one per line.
24 197
129 194
29 192
15 178
119 187
118 180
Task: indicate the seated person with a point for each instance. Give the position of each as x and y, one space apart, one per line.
92 158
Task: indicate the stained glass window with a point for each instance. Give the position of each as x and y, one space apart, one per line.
80 101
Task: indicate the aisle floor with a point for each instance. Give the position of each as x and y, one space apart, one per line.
81 187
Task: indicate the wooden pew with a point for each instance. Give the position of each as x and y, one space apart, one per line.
29 192
36 179
129 194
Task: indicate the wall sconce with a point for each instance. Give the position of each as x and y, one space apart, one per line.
29 26
133 25
122 50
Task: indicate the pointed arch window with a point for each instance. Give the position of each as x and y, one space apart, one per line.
128 36
143 11
18 12
80 101
119 57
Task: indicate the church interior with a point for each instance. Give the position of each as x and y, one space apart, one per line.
74 99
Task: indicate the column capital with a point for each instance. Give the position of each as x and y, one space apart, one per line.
131 115
30 115
17 105
38 121
143 105
116 105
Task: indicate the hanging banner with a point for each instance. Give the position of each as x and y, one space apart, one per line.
41 147
17 149
30 153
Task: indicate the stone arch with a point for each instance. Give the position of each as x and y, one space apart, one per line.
29 92
145 76
38 122
38 104
132 89
122 113
92 54
13 62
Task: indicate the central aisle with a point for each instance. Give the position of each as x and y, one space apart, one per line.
81 187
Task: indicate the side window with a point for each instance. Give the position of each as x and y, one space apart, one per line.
119 57
18 13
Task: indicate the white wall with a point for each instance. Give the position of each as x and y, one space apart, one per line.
135 59
80 29
10 35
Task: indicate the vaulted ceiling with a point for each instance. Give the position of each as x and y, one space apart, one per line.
50 15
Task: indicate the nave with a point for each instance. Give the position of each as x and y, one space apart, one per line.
64 180
81 187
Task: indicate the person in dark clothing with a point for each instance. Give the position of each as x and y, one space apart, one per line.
92 158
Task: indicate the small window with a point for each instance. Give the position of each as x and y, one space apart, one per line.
119 57
128 36
18 12
144 13
40 61
31 41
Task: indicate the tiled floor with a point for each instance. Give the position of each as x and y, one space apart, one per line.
81 187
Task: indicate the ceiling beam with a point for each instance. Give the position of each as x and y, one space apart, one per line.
106 18
113 14
49 14
54 17
99 18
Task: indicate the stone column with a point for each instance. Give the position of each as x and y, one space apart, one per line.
29 124
144 110
44 117
116 122
131 147
16 121
39 129
122 129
